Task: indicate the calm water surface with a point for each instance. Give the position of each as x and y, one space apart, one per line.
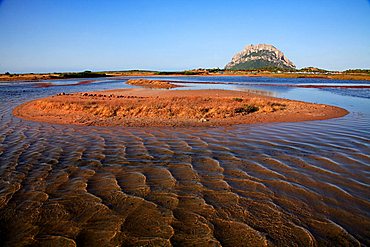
282 184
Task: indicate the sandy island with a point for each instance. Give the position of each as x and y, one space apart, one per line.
160 107
151 83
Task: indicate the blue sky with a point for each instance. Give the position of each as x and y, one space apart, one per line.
72 35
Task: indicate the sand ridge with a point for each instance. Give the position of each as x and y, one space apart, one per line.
151 83
141 107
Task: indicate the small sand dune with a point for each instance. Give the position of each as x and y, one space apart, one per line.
185 108
151 83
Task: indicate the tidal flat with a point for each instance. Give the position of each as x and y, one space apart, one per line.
272 184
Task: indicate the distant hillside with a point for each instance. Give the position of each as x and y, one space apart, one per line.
259 56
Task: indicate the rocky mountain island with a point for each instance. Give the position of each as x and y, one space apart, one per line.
259 56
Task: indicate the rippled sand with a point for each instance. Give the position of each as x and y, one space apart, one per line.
290 184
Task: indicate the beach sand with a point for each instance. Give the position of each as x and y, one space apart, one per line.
141 107
151 83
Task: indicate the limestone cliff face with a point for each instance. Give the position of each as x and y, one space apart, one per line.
259 56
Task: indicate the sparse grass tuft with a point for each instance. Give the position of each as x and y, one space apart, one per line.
247 109
238 99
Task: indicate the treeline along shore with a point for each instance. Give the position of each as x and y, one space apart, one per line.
311 72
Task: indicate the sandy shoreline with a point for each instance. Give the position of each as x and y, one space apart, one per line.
151 83
181 108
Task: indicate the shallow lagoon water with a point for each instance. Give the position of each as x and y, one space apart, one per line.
280 184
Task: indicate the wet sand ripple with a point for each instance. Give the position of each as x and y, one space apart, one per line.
289 184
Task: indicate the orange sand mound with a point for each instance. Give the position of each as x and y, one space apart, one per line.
153 107
151 83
